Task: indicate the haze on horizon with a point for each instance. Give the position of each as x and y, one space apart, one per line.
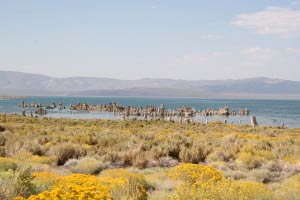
192 40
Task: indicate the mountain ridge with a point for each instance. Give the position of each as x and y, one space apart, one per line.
21 83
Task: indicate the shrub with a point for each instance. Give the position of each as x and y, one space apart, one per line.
249 160
36 150
89 139
23 185
134 186
2 140
44 180
167 162
16 145
290 189
260 175
113 184
193 154
191 173
86 166
15 184
66 152
223 190
235 175
140 160
6 180
275 166
2 128
75 187
71 163
2 152
158 152
7 164
201 182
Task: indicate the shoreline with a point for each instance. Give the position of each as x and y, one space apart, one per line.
13 97
193 123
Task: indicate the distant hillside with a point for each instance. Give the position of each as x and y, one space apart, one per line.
18 83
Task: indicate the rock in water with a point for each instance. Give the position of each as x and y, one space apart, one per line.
253 121
41 111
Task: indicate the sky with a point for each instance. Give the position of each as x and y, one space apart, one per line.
133 39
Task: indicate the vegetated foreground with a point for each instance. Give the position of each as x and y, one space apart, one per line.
103 159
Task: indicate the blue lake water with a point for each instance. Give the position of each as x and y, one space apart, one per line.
267 111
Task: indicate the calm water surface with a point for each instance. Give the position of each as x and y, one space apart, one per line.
268 112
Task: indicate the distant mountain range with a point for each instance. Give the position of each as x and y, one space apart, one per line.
19 83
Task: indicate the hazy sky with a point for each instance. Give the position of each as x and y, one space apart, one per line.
179 39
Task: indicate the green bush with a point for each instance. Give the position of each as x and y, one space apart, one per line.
16 184
23 185
7 164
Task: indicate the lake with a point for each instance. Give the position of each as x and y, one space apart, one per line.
267 111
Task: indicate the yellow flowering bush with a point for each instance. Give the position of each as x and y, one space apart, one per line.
74 187
206 183
192 173
113 184
45 180
74 192
46 176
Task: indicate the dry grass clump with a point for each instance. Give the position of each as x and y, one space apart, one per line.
194 153
134 186
86 165
289 189
68 151
140 160
2 128
2 140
